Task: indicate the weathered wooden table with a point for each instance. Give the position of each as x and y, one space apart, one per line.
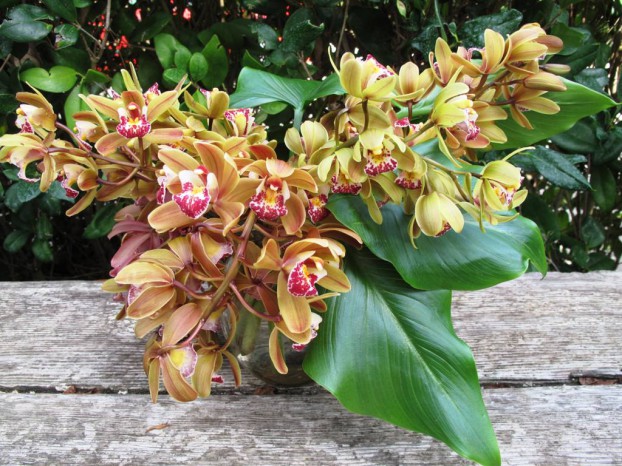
72 389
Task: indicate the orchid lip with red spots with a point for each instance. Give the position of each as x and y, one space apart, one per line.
341 185
193 200
408 180
269 202
317 208
300 282
380 162
132 122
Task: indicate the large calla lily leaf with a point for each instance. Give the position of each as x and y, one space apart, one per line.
471 260
256 87
400 360
576 102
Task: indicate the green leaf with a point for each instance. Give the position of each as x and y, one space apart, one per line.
575 103
592 233
594 78
217 63
471 260
299 31
102 222
82 3
267 38
58 79
19 193
182 57
50 205
604 185
15 241
58 192
536 209
63 8
73 105
197 66
573 37
66 36
24 24
505 22
151 26
166 46
173 76
400 360
42 250
256 87
556 168
580 138
8 103
611 149
95 77
44 229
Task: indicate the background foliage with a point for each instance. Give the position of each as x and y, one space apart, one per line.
69 47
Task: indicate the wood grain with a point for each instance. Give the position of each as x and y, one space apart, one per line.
544 425
530 331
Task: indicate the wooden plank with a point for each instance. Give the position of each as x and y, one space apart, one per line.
544 425
56 334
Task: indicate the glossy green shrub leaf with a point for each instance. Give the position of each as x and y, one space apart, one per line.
611 148
151 25
536 209
573 37
73 104
471 260
8 103
58 79
166 47
102 222
172 76
217 63
66 36
182 58
15 241
592 233
44 228
256 87
42 250
63 8
95 77
400 360
472 32
581 138
299 32
58 192
575 103
604 187
594 78
24 23
19 193
556 168
197 66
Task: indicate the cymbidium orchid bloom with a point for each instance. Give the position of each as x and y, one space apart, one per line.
526 45
492 56
35 114
523 99
304 265
498 186
436 214
241 120
366 79
135 117
273 200
314 144
412 85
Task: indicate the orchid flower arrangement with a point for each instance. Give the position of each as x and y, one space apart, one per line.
219 227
